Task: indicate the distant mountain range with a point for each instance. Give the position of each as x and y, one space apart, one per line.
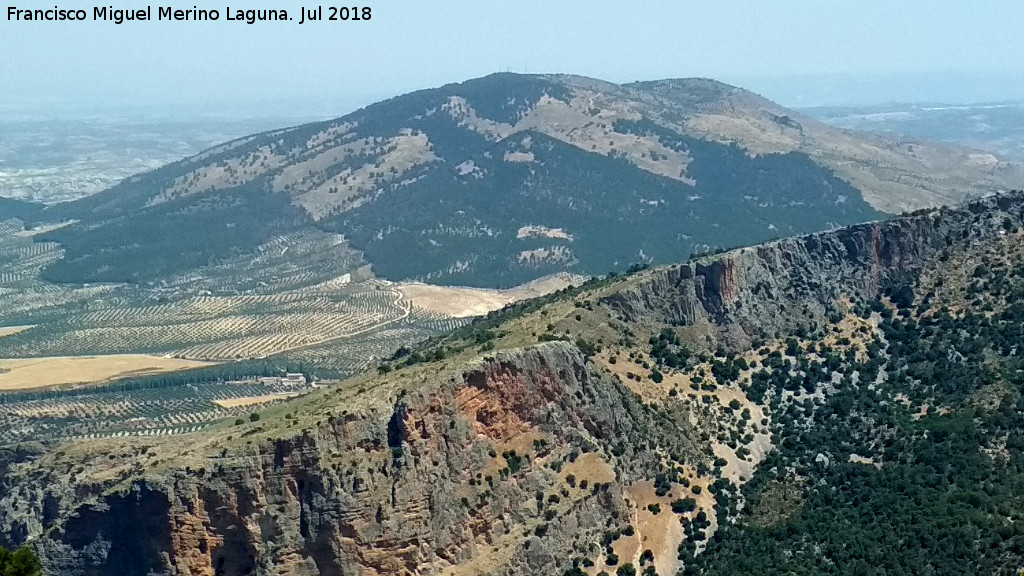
502 179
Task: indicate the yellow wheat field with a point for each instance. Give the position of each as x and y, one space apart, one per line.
29 373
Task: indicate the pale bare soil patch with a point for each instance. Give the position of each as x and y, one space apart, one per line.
542 232
462 302
43 229
520 157
660 533
893 174
574 124
591 467
858 459
454 301
320 196
254 400
230 172
9 330
30 373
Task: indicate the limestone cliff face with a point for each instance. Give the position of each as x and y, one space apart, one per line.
427 485
767 290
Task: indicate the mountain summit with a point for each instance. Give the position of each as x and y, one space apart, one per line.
506 178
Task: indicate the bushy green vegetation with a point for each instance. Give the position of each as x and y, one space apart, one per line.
913 464
21 562
684 505
666 349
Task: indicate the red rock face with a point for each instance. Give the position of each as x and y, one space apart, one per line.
723 278
501 399
190 541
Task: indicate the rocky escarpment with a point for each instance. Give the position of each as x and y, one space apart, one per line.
515 463
14 532
772 289
467 469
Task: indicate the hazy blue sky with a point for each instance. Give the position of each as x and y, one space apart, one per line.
413 44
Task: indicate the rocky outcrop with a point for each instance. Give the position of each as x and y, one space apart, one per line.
770 289
456 471
15 530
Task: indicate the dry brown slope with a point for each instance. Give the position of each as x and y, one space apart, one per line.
895 174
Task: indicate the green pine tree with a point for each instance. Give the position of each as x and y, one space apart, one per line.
21 562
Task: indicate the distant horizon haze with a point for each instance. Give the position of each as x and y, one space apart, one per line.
796 92
826 53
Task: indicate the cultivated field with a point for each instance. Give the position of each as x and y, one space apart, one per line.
254 400
32 373
303 291
297 291
160 411
72 355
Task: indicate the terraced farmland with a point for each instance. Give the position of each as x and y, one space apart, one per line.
299 260
303 301
302 291
21 292
297 291
21 257
124 410
148 412
351 355
211 328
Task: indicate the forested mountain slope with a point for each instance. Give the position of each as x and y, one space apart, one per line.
503 179
20 209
